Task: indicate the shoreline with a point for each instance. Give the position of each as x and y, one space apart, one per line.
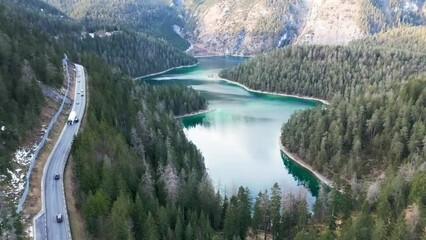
276 94
194 113
222 55
308 167
167 70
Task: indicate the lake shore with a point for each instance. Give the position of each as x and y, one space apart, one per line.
167 70
292 156
194 113
305 165
223 55
276 94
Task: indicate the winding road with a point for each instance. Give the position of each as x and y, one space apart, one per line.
53 195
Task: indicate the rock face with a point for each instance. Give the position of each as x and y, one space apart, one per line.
239 27
331 22
244 27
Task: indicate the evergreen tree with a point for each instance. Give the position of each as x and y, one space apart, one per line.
150 229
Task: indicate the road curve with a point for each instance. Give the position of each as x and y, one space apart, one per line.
53 195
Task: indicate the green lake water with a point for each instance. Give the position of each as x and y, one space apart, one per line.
239 137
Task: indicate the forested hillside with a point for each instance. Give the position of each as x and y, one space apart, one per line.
324 71
27 56
139 176
154 17
367 75
134 53
33 40
373 130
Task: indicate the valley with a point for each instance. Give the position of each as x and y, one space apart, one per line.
181 141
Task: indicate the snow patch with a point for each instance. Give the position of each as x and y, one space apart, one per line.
178 30
29 231
23 156
189 48
17 184
283 38
17 175
410 6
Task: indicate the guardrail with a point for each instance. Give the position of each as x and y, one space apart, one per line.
43 140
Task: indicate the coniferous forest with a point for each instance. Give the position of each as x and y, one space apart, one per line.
136 54
371 138
27 57
138 176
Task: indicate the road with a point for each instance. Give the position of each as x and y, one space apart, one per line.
53 196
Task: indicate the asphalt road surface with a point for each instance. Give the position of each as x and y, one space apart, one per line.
53 196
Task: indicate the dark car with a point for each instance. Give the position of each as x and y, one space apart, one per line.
57 176
59 218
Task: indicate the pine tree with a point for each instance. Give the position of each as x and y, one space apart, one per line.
275 211
150 229
179 231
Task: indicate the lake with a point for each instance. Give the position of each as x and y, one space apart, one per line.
239 137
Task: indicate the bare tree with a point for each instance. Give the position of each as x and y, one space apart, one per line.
171 182
373 192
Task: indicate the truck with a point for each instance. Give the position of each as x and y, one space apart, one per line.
72 118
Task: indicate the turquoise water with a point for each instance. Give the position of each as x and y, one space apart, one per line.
239 137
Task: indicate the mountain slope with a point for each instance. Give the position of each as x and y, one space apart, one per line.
377 93
156 18
247 27
135 54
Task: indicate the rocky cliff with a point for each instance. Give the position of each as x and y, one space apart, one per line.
251 27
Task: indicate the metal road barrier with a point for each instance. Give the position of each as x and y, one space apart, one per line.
43 140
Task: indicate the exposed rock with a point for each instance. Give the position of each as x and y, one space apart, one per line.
331 22
245 27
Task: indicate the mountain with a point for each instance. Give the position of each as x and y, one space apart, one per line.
134 53
156 18
249 27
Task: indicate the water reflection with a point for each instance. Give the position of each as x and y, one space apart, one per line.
239 138
300 174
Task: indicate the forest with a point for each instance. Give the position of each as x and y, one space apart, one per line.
140 178
135 54
27 57
155 18
137 172
31 50
370 140
378 16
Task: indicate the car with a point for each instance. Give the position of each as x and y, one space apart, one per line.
59 218
77 102
57 176
82 94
